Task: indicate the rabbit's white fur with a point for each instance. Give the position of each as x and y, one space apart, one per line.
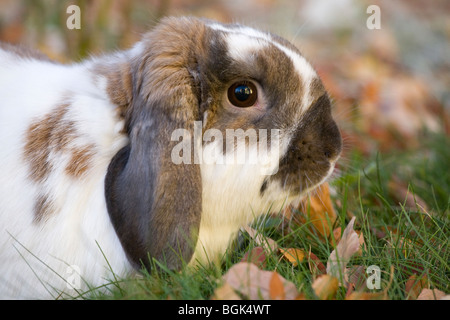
34 257
38 258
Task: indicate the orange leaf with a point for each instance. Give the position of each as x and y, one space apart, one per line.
225 292
276 288
337 234
357 295
320 210
325 287
362 244
293 255
301 296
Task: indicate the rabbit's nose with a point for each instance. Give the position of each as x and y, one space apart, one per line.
331 140
318 138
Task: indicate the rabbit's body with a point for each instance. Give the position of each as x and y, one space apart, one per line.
87 182
58 134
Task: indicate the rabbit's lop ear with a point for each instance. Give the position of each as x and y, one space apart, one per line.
155 204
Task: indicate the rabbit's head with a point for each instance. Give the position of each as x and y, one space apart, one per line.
212 112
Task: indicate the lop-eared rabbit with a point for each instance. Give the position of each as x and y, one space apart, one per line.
101 165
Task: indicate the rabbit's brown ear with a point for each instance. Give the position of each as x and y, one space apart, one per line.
154 204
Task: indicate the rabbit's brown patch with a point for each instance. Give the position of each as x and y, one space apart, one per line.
43 136
43 207
47 139
119 85
80 160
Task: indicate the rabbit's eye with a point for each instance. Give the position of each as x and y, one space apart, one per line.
242 94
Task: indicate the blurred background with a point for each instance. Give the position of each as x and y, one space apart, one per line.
390 86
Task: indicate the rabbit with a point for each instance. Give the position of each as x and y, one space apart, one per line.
101 167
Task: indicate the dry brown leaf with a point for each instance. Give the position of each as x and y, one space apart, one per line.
315 265
268 244
320 210
225 292
347 247
293 255
254 283
257 256
401 193
337 235
325 287
431 294
356 276
414 286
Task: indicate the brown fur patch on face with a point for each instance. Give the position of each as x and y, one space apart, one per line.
317 89
43 208
24 52
281 86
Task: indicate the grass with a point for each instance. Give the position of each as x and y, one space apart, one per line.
401 203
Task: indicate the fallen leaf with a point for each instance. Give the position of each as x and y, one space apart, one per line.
301 296
337 237
293 255
325 287
414 286
358 295
276 288
362 244
315 265
320 211
347 247
401 193
225 292
411 266
257 256
337 234
431 294
268 244
254 283
350 290
356 276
